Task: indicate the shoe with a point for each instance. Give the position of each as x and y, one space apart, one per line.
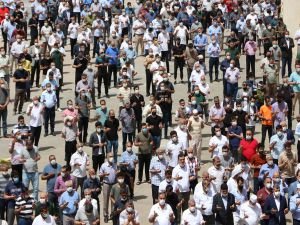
181 81
15 113
53 134
216 80
46 134
105 219
20 112
59 109
210 80
147 95
99 96
175 82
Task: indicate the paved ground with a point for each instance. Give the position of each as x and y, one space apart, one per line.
55 145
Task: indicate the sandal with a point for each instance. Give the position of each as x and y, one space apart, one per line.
138 183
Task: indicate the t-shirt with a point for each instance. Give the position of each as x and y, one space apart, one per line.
20 74
82 103
51 182
13 189
146 147
266 112
249 148
154 121
112 134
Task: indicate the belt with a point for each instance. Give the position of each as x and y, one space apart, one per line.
25 218
109 183
139 34
70 215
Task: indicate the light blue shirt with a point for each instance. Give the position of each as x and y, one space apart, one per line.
295 210
200 42
103 114
216 31
279 146
129 158
240 25
71 198
48 99
295 77
266 168
53 83
130 53
111 169
214 50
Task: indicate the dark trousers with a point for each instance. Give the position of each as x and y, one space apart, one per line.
209 220
144 160
178 63
213 62
4 35
3 118
165 58
35 135
70 149
73 43
166 120
149 83
112 70
250 62
83 124
95 46
202 52
57 91
154 193
298 150
19 100
77 15
232 90
296 222
98 160
24 221
49 115
286 61
52 197
189 72
126 136
35 70
80 181
264 129
3 206
102 76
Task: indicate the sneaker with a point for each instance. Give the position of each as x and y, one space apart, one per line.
59 109
46 134
105 219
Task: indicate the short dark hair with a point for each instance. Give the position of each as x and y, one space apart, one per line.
224 186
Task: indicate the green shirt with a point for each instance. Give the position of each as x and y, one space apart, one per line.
146 147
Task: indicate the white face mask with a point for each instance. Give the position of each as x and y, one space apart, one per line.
111 159
69 189
192 209
53 162
80 150
121 181
218 133
88 197
162 202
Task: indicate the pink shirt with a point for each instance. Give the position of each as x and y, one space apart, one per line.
73 113
60 186
250 48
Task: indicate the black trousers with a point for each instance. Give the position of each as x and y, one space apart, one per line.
165 58
289 115
286 61
4 35
178 63
264 129
154 193
95 46
70 149
214 62
98 160
73 43
83 124
250 62
57 91
35 135
189 72
209 220
103 76
149 83
144 160
112 70
35 70
80 181
49 115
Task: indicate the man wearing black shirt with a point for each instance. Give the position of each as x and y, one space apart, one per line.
111 127
137 102
20 78
241 117
80 64
178 53
33 24
154 123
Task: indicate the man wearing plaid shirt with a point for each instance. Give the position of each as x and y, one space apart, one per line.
158 166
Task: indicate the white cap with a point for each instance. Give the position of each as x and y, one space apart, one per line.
195 111
253 198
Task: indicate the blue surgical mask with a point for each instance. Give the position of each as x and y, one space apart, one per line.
16 179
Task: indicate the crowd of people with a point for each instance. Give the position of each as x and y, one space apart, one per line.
250 181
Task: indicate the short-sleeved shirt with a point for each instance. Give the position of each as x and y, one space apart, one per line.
154 121
146 140
71 198
51 169
20 74
13 189
234 142
112 134
103 115
266 112
249 148
30 166
84 218
82 103
295 77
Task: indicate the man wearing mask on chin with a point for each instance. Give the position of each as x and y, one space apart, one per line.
276 207
161 212
107 173
12 191
50 174
68 203
79 162
35 111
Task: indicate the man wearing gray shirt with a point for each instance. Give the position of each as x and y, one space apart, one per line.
91 75
127 118
30 155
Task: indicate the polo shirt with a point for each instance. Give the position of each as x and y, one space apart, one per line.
20 74
51 169
146 147
71 198
295 77
234 142
39 220
266 112
248 148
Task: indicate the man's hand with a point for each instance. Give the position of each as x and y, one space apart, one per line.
286 211
232 206
273 211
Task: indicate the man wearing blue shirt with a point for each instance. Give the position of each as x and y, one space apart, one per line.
112 53
295 206
48 98
295 83
200 42
215 31
213 51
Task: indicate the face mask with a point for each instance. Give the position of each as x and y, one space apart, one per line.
49 89
16 179
198 69
69 124
137 92
88 197
160 157
44 215
194 102
225 154
239 108
231 65
228 57
279 133
182 127
298 70
165 79
80 150
192 209
145 130
42 201
162 202
93 177
70 106
276 180
197 92
190 155
98 130
277 194
284 129
248 137
69 189
62 174
53 162
129 149
158 60
121 181
218 133
20 67
35 102
174 139
129 209
270 162
252 104
110 159
234 123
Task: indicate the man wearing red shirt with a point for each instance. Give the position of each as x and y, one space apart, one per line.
256 162
3 11
263 193
248 145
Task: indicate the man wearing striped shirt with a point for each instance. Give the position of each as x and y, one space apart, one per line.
24 208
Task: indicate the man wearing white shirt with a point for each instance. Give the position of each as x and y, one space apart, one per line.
192 215
35 111
216 172
124 20
168 181
217 142
88 198
161 213
250 211
173 149
139 28
156 68
181 32
97 28
16 50
196 75
163 40
79 162
73 33
252 17
181 173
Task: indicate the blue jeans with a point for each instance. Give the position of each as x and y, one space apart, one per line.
156 141
3 117
114 144
34 179
232 90
23 221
